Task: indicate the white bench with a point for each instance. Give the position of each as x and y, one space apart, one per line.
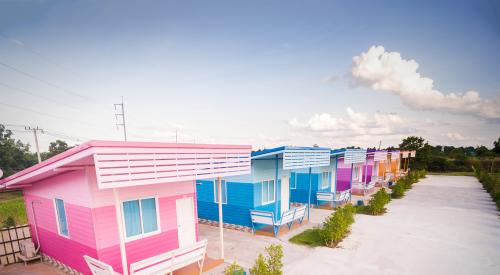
341 197
370 185
300 213
287 218
99 268
173 260
163 263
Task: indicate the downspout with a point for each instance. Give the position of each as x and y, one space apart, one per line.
34 223
309 197
366 177
276 190
350 182
336 177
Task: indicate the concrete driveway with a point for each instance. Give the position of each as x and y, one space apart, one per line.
444 225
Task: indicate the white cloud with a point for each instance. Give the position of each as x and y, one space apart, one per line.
388 71
353 124
455 136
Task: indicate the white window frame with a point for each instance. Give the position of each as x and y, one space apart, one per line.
376 167
295 181
274 192
322 186
216 197
57 218
359 178
141 235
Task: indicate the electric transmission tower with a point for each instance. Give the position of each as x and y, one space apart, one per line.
120 118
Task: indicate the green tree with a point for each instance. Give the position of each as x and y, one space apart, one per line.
483 152
423 149
270 265
496 146
412 143
14 155
55 147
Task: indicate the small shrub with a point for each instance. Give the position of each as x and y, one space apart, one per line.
259 267
398 191
9 222
234 269
376 206
490 183
270 265
336 226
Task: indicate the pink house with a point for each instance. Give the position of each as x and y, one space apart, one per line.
120 202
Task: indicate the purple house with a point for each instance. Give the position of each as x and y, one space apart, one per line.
348 169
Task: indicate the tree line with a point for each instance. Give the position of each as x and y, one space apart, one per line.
441 158
16 155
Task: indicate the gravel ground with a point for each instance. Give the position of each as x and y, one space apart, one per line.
444 225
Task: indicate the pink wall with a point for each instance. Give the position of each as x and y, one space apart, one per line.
81 239
69 186
106 227
92 219
107 234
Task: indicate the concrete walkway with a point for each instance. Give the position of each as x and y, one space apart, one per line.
444 225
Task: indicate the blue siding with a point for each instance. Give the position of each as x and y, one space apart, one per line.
237 209
241 198
300 194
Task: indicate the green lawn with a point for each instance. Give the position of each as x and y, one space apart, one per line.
471 174
12 205
309 237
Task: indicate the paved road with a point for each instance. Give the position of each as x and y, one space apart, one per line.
444 225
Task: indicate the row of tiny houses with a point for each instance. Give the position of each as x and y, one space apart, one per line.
267 188
128 206
274 185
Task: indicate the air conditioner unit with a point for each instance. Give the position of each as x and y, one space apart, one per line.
27 248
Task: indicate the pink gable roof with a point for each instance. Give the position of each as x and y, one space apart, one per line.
86 153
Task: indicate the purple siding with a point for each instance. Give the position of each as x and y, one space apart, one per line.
343 175
368 169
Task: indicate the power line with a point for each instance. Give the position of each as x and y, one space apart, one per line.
23 45
48 132
45 114
37 95
43 81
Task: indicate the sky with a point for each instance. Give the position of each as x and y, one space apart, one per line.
265 73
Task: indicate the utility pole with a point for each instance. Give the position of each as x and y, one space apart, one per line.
35 133
120 118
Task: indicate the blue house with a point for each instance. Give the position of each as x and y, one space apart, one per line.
267 188
346 167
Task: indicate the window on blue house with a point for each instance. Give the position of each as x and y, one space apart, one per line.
216 191
62 222
325 180
140 217
268 191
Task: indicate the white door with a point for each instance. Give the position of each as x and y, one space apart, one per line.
186 227
285 193
333 183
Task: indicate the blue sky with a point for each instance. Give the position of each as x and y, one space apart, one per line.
262 72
